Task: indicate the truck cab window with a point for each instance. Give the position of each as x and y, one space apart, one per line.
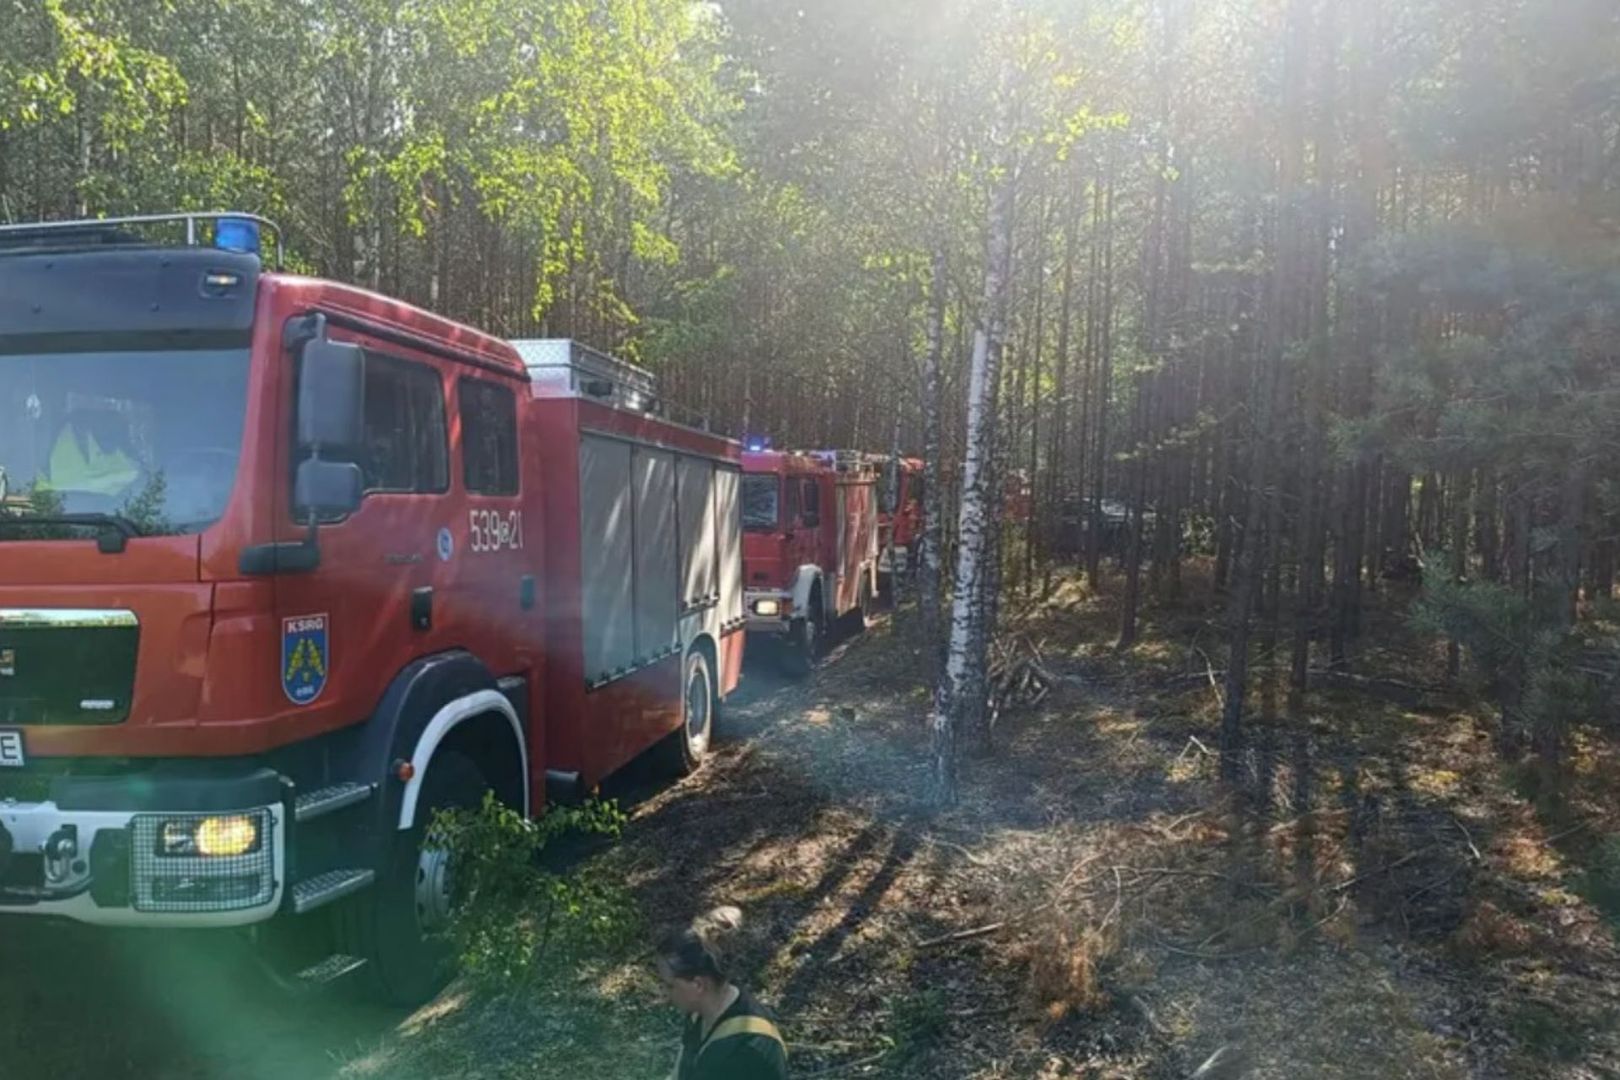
152 435
790 513
406 449
812 503
761 502
488 438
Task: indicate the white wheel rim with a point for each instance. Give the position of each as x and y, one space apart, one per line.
699 699
432 889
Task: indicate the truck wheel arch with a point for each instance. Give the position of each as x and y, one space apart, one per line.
806 584
420 694
481 718
706 644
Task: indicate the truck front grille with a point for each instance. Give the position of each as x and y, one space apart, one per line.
66 666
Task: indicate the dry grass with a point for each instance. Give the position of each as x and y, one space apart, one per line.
1064 965
1489 932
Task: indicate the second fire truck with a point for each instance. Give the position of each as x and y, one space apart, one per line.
810 546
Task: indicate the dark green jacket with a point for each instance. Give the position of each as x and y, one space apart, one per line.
744 1045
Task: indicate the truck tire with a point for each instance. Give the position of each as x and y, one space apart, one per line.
866 606
400 920
804 643
686 747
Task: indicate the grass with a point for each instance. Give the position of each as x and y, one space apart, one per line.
1546 1032
917 1022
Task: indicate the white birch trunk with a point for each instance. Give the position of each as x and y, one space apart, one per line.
931 558
977 516
892 481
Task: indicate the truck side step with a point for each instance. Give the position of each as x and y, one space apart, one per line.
322 801
322 889
330 970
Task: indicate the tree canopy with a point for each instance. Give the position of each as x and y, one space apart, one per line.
1317 290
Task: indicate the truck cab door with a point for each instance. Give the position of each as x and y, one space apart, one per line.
485 572
808 548
354 609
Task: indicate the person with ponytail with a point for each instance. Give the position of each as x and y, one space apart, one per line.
728 1034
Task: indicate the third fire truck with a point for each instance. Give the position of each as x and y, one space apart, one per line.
900 518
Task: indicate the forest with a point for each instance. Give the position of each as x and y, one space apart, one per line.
1295 324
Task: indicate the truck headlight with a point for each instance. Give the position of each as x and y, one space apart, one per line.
210 837
767 607
195 863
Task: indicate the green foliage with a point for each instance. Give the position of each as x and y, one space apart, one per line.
402 142
1525 652
144 507
916 1022
1601 882
1547 1032
1506 634
516 921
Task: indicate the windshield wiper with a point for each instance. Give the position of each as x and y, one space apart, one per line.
116 529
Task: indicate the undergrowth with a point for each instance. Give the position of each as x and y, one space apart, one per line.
515 919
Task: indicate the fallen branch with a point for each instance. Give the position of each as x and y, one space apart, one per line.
830 1070
1197 954
1192 741
1074 871
963 935
1468 837
976 860
1214 684
1227 1063
1407 695
1397 864
1169 831
1119 900
1148 1015
1169 871
1017 676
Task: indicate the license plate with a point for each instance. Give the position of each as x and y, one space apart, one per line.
11 750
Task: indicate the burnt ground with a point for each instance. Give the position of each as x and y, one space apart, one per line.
1378 900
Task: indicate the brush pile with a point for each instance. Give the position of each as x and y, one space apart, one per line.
1018 675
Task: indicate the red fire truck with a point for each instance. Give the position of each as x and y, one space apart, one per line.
286 566
900 517
810 545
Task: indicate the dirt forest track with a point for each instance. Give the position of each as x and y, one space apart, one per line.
1092 908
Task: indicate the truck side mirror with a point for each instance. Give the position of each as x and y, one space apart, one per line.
323 489
330 395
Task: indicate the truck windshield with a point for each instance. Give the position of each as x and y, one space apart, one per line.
761 502
152 437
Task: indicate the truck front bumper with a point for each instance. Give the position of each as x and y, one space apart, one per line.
770 611
147 851
895 557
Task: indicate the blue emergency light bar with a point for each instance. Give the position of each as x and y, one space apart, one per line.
757 444
237 234
231 231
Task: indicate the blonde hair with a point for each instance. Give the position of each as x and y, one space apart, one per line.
697 951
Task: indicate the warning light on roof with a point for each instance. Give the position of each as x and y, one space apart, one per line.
757 443
237 234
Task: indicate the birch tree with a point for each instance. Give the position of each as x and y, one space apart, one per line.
932 561
965 655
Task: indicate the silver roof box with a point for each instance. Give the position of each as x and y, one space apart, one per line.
845 460
562 367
